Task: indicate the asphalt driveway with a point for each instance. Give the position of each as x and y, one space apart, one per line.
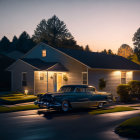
75 125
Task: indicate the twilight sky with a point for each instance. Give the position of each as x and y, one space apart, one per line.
103 24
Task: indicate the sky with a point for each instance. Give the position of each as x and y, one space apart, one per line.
102 24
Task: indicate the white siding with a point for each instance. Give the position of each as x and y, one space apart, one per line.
112 78
136 75
17 77
75 68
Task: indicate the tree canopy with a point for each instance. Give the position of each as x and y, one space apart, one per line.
4 44
87 49
136 42
55 33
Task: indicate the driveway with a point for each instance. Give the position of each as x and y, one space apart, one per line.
75 125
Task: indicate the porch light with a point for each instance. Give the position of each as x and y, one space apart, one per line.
26 91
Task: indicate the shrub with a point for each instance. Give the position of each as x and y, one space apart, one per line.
102 83
135 88
123 91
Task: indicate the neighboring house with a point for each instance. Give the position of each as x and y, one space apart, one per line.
46 69
14 54
5 76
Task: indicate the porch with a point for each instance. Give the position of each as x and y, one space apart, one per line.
49 81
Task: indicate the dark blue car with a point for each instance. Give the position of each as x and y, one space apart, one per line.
73 96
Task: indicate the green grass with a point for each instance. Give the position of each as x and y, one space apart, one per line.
135 106
129 128
116 109
16 98
17 108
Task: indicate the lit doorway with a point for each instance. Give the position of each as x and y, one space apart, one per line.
58 81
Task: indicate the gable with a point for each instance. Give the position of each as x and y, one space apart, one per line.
52 54
20 64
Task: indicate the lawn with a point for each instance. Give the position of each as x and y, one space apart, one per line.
16 98
17 108
129 128
111 110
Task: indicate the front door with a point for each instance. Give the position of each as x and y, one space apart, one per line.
57 81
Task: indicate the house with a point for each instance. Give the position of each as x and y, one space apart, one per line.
46 69
5 76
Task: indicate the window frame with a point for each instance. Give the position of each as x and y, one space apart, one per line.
123 77
41 76
44 54
23 81
86 78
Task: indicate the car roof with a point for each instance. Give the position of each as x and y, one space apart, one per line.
79 86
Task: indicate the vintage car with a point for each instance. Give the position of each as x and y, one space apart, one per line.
73 96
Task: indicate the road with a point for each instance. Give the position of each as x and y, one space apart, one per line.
75 125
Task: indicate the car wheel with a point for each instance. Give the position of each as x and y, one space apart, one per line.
100 105
65 106
40 106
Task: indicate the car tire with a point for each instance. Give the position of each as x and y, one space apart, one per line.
65 106
40 106
100 105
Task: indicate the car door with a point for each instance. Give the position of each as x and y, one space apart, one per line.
80 97
92 96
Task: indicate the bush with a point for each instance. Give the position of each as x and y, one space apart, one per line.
102 83
135 88
123 90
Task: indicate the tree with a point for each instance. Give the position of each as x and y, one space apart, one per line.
14 42
4 44
110 52
134 58
52 31
104 51
136 42
87 49
125 51
25 43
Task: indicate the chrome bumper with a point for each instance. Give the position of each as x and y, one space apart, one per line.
47 104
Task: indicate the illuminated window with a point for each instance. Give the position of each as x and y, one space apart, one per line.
43 53
123 77
84 78
41 76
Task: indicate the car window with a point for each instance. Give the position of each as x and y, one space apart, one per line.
80 90
90 89
66 89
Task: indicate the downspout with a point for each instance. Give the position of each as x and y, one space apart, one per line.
87 76
47 81
34 82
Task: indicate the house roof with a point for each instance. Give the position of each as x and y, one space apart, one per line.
100 60
14 54
42 65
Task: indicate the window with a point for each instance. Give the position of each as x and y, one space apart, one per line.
84 78
24 79
66 89
43 53
123 77
41 76
89 89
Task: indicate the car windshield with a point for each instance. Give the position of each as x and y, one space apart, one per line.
66 89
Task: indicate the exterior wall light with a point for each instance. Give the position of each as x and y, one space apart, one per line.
26 91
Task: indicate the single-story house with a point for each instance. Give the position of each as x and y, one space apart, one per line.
46 69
